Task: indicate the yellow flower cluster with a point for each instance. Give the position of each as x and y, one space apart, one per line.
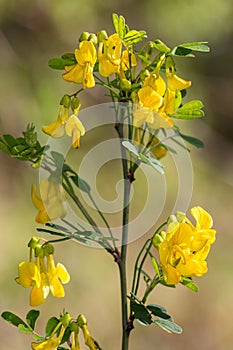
184 247
156 100
42 274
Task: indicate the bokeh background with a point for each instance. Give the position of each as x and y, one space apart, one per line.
30 33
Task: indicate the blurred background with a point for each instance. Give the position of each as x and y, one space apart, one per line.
33 31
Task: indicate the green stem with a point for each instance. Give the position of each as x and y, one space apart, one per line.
122 262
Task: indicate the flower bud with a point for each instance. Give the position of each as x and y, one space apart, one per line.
172 218
65 319
75 103
33 243
39 252
84 36
81 320
101 36
180 216
93 38
65 101
157 239
48 249
125 84
74 327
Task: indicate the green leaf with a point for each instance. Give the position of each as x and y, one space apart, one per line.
50 326
10 140
66 335
141 313
181 51
190 110
196 46
168 326
58 159
152 162
159 311
31 317
4 147
192 140
134 37
160 46
12 318
60 63
38 337
168 148
69 56
119 24
187 282
24 329
81 184
130 147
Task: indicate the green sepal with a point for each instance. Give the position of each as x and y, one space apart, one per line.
190 110
12 318
32 317
168 326
187 282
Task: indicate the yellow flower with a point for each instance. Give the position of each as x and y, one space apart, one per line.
56 276
51 279
155 103
43 279
109 55
29 275
174 82
52 342
150 98
49 344
56 129
74 128
82 72
185 247
39 293
125 64
50 202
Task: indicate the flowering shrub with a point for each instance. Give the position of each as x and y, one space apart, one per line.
147 97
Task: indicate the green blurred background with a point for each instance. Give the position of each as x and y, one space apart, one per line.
30 33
